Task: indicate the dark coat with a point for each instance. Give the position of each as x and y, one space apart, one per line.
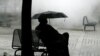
53 40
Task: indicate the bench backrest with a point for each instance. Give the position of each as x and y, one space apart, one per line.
16 41
85 20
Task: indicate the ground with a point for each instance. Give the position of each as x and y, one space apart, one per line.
81 43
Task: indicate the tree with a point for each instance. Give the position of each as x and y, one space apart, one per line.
26 28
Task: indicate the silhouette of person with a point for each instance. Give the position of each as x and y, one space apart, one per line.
54 41
66 37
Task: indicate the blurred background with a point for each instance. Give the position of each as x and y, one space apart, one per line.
80 41
10 12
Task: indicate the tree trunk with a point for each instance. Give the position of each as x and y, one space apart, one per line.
26 29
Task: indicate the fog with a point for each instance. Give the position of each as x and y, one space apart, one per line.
74 9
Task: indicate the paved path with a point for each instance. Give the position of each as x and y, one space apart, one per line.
80 43
88 44
5 44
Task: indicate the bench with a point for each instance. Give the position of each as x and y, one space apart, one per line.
37 44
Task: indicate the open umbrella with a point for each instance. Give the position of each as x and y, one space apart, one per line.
50 15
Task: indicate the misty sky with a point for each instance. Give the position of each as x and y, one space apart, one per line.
10 6
74 9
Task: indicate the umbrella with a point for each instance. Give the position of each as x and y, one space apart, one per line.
50 14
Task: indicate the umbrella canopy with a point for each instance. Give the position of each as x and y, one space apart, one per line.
50 14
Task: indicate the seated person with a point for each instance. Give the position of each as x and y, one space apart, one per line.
54 41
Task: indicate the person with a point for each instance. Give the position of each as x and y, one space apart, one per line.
52 39
66 36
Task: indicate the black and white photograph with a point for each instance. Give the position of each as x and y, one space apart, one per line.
49 28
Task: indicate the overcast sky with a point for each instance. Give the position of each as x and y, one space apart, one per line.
74 9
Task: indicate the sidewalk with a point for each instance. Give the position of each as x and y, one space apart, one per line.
84 43
81 43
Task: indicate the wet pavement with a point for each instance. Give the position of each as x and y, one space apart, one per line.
81 43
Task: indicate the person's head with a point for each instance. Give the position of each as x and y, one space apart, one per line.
42 19
66 34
